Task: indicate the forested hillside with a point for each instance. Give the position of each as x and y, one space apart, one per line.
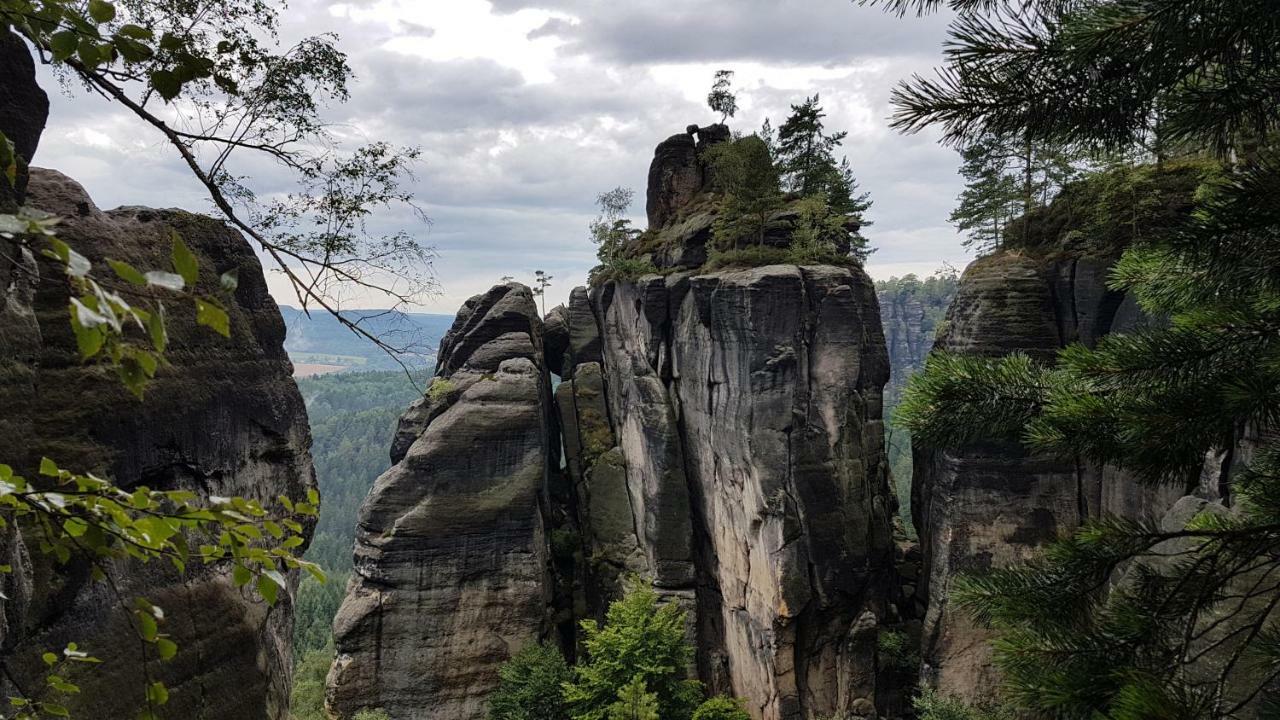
352 418
321 341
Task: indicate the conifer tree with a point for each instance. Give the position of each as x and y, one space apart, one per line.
1189 629
990 198
745 169
805 156
806 153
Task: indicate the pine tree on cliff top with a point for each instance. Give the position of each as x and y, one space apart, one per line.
1192 631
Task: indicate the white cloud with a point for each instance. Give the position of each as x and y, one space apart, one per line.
526 109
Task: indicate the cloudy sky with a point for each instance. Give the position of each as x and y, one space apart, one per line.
526 109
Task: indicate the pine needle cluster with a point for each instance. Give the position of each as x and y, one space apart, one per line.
1128 620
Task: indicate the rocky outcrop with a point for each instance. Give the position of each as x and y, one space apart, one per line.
993 504
747 408
223 418
723 442
24 108
450 574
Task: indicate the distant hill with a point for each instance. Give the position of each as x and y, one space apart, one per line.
320 344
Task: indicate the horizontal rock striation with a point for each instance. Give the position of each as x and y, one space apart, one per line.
451 573
223 418
992 504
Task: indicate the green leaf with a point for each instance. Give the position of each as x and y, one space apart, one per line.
102 11
50 659
170 42
128 273
132 50
88 339
157 693
184 262
166 648
48 467
269 588
89 52
146 625
63 44
166 83
136 32
156 329
77 264
132 374
147 362
75 527
241 575
213 317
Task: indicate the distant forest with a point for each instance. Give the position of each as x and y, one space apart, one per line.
352 417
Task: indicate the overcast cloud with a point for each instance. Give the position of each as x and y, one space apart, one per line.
526 109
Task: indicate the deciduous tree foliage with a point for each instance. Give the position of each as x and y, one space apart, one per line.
721 99
532 686
219 67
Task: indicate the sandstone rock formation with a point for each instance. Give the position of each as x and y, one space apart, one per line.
911 312
223 418
723 442
450 574
992 504
747 407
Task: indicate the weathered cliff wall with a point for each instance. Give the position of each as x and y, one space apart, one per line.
911 311
450 574
223 418
992 504
748 481
748 412
723 442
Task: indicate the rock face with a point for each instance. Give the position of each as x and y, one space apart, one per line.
992 504
451 559
24 106
723 442
748 481
911 311
747 409
224 419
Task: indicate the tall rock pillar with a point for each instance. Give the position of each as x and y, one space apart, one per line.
450 572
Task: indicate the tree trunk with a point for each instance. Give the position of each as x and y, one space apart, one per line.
1027 190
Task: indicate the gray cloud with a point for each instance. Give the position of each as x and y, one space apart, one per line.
510 168
786 32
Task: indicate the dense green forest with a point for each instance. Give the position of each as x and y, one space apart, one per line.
352 418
